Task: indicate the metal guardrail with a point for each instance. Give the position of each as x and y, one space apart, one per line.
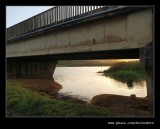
52 17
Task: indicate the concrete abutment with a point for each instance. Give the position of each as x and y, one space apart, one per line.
146 57
30 69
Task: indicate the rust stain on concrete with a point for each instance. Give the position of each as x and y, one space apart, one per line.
113 38
84 43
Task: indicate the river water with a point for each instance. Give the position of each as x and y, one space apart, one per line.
85 83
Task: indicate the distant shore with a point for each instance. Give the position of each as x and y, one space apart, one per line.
79 63
126 72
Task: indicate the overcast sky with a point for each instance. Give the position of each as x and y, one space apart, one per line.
16 14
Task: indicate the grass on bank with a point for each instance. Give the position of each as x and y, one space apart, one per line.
25 102
126 71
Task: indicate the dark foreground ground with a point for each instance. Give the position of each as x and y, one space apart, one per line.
130 105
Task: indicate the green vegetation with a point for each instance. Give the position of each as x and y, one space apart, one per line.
25 102
126 71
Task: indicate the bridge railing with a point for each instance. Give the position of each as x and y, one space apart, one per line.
51 17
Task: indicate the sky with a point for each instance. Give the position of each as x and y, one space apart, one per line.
16 14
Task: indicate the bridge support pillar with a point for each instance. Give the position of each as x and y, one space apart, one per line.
146 57
31 69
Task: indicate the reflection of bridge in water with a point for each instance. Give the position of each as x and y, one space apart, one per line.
80 32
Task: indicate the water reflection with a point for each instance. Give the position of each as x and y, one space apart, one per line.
137 85
86 82
130 83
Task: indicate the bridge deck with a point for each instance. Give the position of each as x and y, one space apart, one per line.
58 16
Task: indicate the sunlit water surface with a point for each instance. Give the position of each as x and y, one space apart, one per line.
85 82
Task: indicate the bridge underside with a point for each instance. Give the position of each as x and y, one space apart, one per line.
44 66
112 54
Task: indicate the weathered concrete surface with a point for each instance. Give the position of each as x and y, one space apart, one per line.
30 69
146 57
133 30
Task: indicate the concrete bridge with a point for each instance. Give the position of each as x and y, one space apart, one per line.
80 32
